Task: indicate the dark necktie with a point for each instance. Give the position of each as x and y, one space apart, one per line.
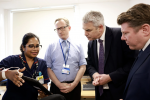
101 63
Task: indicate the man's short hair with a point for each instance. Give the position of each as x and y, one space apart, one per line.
95 17
66 20
136 16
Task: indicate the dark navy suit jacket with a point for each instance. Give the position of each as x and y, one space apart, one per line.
138 83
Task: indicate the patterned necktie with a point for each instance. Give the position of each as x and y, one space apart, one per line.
101 63
65 48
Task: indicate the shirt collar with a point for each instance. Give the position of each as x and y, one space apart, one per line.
103 35
147 43
68 39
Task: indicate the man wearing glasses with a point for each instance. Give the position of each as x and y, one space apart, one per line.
66 63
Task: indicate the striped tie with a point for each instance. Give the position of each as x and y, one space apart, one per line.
65 48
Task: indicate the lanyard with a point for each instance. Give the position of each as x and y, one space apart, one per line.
23 63
64 54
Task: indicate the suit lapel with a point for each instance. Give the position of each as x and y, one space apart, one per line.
137 64
108 41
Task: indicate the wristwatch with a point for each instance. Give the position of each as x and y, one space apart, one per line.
3 73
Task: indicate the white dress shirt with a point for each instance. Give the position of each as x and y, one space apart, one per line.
146 45
105 86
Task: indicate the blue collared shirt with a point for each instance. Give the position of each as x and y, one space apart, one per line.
55 60
26 91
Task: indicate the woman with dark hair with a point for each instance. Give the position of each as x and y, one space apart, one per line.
34 67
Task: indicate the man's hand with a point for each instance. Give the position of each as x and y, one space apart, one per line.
95 75
69 87
101 79
15 76
104 79
63 87
96 79
96 82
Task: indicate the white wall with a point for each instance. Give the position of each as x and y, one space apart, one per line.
5 34
39 22
8 32
2 35
133 2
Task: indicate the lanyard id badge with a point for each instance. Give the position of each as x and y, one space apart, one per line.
66 69
40 78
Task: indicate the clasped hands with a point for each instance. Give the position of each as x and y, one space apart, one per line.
66 87
100 79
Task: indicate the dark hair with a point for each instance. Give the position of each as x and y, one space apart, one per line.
26 38
136 16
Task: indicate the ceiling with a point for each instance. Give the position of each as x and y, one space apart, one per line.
19 4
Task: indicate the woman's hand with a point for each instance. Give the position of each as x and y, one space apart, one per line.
41 93
15 76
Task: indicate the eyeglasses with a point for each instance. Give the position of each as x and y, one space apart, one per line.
32 46
61 28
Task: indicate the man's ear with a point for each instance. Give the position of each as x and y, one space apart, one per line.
101 28
69 28
146 29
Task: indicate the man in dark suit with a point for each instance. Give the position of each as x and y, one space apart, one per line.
110 66
135 27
